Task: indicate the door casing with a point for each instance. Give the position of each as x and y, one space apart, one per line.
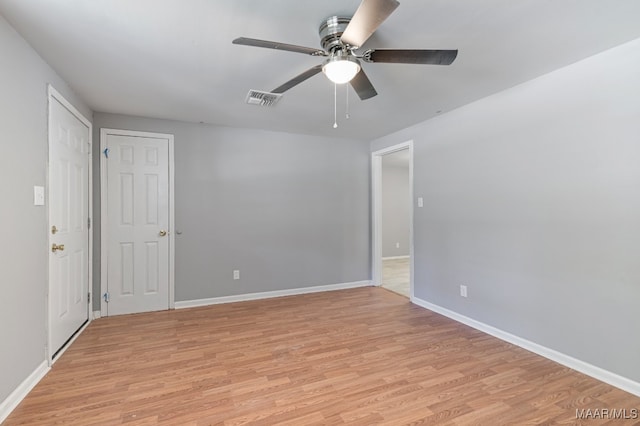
104 235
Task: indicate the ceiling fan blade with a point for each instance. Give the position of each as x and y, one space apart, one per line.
399 56
279 46
298 79
362 85
366 20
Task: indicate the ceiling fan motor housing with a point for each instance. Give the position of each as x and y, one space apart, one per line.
330 32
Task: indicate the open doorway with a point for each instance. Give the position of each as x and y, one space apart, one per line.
392 174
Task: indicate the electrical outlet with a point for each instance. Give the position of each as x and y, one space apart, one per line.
397 245
463 290
236 274
420 202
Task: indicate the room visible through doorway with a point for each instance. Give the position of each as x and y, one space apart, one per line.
396 203
392 217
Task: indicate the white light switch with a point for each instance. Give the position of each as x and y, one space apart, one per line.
38 195
420 202
236 274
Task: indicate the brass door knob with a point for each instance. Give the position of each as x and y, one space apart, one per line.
162 233
56 247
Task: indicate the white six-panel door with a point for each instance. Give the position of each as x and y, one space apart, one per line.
69 151
138 219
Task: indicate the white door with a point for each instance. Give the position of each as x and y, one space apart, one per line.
69 151
137 232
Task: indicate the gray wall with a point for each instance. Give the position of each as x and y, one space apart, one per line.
532 200
23 252
287 210
395 208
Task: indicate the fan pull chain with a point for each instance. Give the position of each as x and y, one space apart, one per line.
335 106
347 116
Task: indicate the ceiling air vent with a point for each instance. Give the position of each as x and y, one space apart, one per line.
257 97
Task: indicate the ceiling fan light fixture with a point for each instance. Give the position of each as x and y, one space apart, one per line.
341 69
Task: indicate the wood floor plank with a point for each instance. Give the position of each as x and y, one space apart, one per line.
360 357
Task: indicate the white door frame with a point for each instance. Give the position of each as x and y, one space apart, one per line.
104 235
52 93
376 212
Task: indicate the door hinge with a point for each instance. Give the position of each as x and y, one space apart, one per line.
88 297
106 297
88 223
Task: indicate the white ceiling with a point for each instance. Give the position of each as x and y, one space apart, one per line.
174 59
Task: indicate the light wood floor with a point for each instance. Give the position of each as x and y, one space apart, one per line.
395 275
362 356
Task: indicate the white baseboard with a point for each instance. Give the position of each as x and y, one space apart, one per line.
395 257
601 374
12 401
19 393
268 294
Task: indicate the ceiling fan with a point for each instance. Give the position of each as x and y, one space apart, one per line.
340 39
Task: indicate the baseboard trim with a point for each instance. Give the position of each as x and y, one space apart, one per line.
12 401
395 257
601 374
269 294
